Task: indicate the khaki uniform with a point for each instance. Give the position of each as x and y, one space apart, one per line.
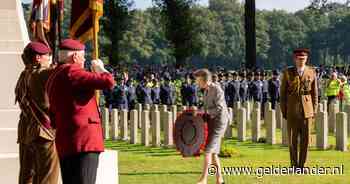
299 101
39 162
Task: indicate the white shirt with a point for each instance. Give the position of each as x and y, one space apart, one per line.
301 71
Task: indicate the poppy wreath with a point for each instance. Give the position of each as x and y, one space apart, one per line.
190 133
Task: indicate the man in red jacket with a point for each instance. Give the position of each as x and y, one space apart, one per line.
74 112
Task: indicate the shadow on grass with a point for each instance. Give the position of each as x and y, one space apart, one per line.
160 173
140 149
249 144
163 151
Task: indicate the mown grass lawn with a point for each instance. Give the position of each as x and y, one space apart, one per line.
147 165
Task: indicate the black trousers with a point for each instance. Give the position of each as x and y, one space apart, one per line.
79 169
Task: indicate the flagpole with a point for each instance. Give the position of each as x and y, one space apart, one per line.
95 52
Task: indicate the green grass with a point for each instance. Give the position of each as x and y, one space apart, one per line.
147 165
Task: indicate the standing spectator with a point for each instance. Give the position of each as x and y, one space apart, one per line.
332 89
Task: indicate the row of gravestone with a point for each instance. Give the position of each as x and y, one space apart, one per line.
117 125
152 120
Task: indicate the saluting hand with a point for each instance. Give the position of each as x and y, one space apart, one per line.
98 66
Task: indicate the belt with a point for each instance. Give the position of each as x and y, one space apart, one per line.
305 93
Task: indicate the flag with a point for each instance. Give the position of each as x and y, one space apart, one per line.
45 22
84 19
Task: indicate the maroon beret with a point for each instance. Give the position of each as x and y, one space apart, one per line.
70 44
302 50
38 48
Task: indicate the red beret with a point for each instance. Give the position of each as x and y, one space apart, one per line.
302 50
38 48
70 44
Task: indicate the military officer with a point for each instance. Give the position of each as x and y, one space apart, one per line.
233 89
255 88
39 162
120 95
250 78
131 95
226 86
143 92
243 90
167 91
155 91
265 87
274 89
73 107
299 101
189 92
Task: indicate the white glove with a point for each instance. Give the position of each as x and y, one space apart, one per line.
98 66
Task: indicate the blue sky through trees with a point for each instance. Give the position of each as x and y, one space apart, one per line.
288 5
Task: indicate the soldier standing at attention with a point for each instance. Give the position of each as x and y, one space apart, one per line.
120 94
131 93
243 90
167 91
39 162
265 87
74 110
233 91
143 92
189 91
299 101
274 89
255 88
155 91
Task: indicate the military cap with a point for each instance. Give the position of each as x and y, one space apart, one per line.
243 73
275 72
119 77
70 44
250 74
301 50
37 48
166 76
190 76
265 73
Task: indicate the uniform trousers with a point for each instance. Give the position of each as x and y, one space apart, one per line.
39 162
80 168
298 137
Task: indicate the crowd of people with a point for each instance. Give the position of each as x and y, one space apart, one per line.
60 125
178 87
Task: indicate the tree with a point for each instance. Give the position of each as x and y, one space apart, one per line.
250 34
114 24
179 24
